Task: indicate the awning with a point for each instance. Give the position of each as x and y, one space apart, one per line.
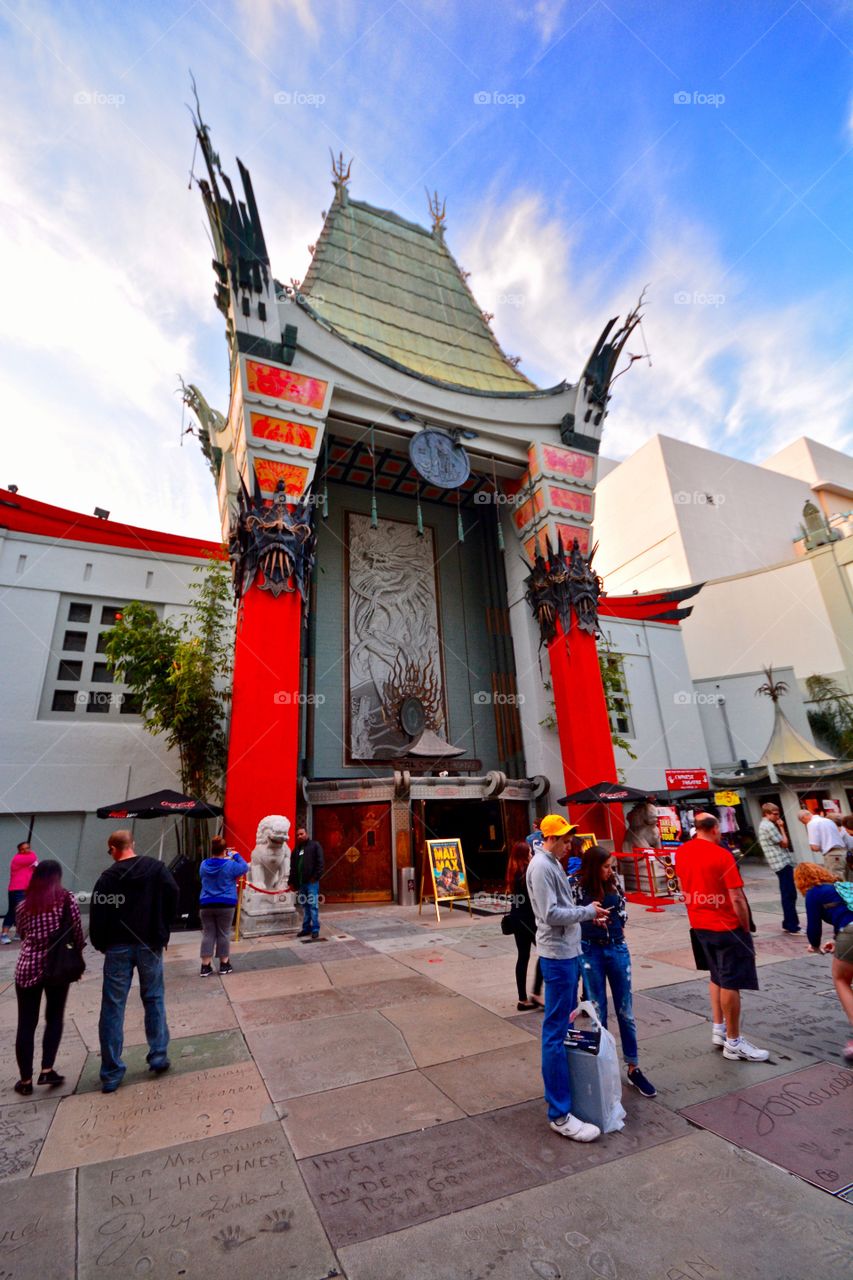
161 804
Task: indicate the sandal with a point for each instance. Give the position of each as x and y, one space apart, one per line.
524 1005
51 1077
24 1089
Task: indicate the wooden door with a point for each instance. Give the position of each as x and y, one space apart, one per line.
356 840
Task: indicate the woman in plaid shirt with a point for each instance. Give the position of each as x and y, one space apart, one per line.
37 921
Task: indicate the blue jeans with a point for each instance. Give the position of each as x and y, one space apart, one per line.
612 963
561 989
309 899
119 963
788 894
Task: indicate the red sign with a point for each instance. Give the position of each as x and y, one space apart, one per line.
686 780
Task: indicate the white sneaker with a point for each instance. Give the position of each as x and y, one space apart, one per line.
576 1129
718 1038
743 1050
6 940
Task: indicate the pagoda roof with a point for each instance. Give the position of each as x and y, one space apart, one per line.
393 289
786 746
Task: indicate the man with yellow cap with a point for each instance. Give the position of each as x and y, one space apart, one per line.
558 941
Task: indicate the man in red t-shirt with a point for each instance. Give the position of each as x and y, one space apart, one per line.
719 920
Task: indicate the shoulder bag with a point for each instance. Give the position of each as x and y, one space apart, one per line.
64 961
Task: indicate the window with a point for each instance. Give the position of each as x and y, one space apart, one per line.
79 682
618 700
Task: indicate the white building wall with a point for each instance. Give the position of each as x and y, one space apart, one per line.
674 513
773 617
57 770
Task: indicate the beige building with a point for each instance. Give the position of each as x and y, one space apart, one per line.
772 544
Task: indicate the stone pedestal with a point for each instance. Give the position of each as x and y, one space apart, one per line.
263 913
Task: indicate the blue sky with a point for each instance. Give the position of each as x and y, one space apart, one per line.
702 148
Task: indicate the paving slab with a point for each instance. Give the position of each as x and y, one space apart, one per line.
657 1018
327 1053
188 1053
276 1010
792 1013
403 990
691 1209
23 1128
192 1008
269 983
654 973
142 1117
802 1122
357 1113
524 1131
233 1208
485 1081
370 968
686 1069
329 949
444 1028
530 1022
37 1228
379 1187
69 1063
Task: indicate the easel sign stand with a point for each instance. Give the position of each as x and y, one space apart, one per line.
443 872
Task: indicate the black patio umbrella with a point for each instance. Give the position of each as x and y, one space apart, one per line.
161 804
606 793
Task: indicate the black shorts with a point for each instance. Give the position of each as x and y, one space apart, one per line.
731 958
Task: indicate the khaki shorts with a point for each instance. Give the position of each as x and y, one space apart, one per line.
844 944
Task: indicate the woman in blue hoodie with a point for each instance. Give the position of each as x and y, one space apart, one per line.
219 875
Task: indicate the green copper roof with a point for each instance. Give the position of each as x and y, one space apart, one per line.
393 287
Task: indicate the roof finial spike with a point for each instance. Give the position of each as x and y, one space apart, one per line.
340 172
437 209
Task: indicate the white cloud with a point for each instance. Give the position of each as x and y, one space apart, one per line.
726 373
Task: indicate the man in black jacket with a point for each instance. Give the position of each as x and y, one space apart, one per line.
306 867
133 906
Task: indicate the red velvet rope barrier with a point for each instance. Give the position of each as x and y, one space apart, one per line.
273 893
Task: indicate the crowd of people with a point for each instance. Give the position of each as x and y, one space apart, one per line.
567 900
574 911
132 910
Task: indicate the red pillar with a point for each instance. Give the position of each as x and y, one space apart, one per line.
583 725
263 744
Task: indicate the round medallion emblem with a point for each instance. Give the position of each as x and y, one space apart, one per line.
412 716
437 458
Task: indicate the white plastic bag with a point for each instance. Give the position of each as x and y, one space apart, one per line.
596 1079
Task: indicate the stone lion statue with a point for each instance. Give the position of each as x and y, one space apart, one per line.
643 831
270 865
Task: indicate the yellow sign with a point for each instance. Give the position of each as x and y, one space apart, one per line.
444 874
728 798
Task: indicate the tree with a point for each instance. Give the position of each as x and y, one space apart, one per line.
831 718
179 674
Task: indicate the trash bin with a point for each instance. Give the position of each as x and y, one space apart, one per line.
407 887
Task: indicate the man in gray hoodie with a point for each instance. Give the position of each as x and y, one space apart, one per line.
558 941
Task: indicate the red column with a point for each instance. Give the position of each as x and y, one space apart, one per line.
583 725
263 744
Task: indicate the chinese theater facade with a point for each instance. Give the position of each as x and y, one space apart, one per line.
386 478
